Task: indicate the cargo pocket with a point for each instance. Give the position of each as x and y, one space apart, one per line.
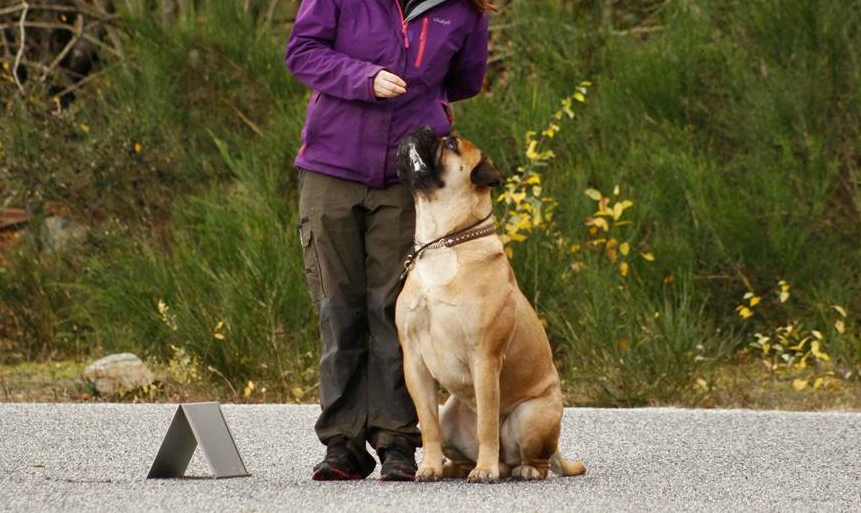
310 261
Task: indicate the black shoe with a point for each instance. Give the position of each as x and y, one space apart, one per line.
340 464
399 463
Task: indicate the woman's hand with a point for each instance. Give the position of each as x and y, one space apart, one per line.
388 85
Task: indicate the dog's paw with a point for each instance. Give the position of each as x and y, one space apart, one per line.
428 473
483 475
527 473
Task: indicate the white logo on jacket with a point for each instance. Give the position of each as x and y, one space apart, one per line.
442 21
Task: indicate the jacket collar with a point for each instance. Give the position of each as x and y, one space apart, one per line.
420 7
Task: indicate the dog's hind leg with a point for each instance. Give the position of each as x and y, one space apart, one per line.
530 436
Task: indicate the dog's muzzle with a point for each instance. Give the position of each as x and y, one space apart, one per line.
417 159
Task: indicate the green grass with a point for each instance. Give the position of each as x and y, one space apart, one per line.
733 127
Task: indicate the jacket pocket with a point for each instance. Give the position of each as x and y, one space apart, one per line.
312 122
310 261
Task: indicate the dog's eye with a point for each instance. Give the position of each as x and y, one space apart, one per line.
451 143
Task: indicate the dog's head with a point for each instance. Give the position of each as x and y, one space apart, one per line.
427 164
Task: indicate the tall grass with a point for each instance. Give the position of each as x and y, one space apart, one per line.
733 127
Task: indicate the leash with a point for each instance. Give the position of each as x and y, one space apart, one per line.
452 239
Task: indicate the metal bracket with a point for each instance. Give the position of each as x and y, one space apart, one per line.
193 424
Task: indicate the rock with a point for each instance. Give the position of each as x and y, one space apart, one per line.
118 373
60 234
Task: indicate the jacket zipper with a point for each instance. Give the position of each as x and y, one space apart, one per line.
422 40
404 24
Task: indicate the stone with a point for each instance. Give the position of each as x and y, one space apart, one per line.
118 373
60 234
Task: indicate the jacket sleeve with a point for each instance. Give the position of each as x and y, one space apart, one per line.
466 74
313 62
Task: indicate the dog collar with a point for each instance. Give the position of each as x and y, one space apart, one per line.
457 238
472 232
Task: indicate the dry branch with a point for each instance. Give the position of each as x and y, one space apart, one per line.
10 10
80 83
20 53
79 30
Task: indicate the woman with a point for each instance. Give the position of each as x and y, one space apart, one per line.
378 69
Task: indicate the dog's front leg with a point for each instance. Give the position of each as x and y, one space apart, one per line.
486 369
422 388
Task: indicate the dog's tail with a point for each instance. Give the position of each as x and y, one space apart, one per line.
564 468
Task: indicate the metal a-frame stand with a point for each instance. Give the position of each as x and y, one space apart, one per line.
193 424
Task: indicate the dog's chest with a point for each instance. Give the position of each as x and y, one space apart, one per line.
436 268
443 334
448 366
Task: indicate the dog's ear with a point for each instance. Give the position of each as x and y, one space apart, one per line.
485 175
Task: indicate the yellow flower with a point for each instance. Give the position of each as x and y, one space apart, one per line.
598 222
620 207
610 249
525 223
784 291
551 130
593 194
814 349
840 326
216 331
531 152
166 317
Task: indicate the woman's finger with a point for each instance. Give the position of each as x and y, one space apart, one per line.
396 88
391 77
383 91
388 85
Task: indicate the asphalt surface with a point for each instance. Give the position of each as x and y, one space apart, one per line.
94 457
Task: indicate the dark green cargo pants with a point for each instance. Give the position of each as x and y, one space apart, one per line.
354 241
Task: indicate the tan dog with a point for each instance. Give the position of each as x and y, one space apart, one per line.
464 323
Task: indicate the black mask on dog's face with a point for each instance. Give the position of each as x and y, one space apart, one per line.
419 161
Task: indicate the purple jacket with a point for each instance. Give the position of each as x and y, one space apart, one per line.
337 47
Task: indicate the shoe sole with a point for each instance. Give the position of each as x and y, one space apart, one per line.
333 474
398 476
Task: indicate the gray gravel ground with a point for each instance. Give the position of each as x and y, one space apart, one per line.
72 457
